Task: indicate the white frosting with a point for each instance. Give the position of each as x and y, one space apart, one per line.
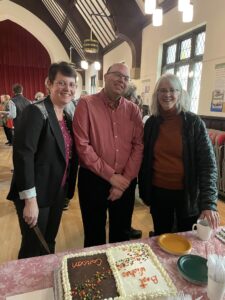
137 271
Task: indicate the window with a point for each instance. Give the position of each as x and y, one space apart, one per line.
93 84
183 57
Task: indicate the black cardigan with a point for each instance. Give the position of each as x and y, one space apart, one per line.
200 180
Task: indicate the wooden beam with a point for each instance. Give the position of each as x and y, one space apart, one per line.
39 9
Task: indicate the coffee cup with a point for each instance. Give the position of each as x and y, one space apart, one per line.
204 230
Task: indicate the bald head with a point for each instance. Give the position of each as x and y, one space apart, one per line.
116 65
116 80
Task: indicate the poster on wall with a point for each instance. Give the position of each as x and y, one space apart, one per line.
145 91
218 100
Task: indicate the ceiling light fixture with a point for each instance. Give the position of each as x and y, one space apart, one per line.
84 64
188 14
150 6
97 65
157 17
91 45
182 4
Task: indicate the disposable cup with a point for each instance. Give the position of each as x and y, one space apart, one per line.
215 290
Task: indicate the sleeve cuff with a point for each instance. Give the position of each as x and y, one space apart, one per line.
108 173
28 193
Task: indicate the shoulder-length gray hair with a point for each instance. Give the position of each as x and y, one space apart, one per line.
183 102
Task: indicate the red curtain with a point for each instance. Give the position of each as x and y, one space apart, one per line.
23 60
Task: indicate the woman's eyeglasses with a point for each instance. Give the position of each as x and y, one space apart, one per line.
167 91
62 84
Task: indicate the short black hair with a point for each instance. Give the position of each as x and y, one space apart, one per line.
17 88
62 67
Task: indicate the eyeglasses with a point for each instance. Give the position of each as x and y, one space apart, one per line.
166 91
62 84
119 75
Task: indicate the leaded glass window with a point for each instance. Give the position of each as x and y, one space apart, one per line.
183 56
171 54
182 73
200 44
185 51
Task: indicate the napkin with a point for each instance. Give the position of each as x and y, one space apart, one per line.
216 267
221 235
45 294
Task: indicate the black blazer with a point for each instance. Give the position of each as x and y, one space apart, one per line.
39 154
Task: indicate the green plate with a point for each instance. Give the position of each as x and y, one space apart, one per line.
193 268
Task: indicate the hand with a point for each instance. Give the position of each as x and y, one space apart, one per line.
31 211
212 217
119 181
114 194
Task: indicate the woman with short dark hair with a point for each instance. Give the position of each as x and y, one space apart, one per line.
45 162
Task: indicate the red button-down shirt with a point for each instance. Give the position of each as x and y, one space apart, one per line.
108 140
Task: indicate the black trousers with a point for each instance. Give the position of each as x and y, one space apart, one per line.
166 210
8 134
48 221
93 193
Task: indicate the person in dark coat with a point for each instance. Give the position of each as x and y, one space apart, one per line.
20 102
178 176
45 162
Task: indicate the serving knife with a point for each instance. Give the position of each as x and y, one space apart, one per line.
41 238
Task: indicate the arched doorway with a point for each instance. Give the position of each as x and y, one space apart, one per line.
23 59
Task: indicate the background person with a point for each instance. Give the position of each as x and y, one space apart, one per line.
130 94
7 117
20 102
108 132
39 96
178 176
145 113
44 162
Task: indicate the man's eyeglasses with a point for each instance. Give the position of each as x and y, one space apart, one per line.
62 84
119 75
166 91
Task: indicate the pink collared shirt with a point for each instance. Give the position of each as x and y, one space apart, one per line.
108 141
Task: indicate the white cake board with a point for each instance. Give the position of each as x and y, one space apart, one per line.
45 294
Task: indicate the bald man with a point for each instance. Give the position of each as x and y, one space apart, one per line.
108 133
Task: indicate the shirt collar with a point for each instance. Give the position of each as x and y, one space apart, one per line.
108 102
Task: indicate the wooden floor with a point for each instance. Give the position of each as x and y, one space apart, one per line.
70 234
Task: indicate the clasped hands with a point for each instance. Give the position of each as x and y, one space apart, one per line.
119 185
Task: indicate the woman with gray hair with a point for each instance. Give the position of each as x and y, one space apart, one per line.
178 176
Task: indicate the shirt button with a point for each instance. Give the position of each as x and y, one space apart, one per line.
117 150
116 136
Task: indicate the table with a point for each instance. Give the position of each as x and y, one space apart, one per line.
26 275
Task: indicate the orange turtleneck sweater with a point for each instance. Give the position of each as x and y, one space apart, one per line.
168 169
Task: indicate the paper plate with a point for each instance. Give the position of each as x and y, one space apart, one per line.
193 268
174 244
